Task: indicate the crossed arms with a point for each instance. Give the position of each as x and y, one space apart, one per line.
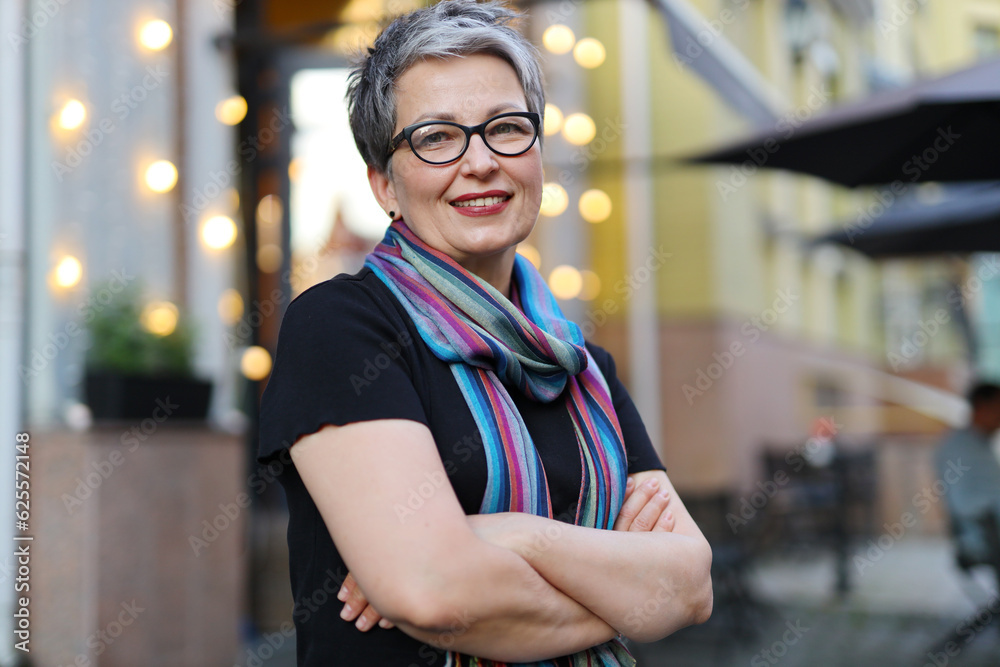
511 587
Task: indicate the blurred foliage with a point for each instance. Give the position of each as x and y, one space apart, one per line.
119 342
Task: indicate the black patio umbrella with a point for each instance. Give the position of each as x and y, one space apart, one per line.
945 129
966 219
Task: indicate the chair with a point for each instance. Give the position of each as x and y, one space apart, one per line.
966 562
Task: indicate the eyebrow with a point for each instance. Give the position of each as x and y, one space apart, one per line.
445 115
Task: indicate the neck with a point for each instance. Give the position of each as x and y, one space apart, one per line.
496 269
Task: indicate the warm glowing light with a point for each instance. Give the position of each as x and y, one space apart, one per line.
161 176
231 110
269 258
554 200
589 53
68 271
255 364
579 129
155 35
294 169
269 210
558 38
160 318
352 38
72 115
591 285
531 254
595 206
230 307
565 282
218 232
553 119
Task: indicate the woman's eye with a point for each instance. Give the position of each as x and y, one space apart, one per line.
435 139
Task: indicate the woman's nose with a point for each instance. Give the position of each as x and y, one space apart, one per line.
478 159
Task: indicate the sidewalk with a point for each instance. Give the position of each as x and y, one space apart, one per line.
900 610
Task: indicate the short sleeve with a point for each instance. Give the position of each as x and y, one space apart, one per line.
639 448
343 356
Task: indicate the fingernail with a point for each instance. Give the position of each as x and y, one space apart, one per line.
670 516
384 623
342 593
664 495
653 483
345 613
630 484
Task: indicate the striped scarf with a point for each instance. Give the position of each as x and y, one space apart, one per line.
492 343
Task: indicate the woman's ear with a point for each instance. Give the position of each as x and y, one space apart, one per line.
383 189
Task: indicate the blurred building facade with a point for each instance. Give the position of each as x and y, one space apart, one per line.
759 333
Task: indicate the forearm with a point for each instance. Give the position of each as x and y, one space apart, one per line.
499 607
647 585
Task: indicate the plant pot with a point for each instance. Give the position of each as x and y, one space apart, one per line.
115 396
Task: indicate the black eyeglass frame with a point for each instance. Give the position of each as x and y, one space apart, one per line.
480 129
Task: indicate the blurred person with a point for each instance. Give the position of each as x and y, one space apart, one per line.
453 450
966 462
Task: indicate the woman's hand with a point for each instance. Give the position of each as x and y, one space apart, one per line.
356 607
646 506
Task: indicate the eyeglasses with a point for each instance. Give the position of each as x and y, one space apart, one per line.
440 141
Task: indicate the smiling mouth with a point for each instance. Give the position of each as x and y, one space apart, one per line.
481 201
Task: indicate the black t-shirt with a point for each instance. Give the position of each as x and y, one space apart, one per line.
349 352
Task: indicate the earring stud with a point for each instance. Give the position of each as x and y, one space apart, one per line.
392 214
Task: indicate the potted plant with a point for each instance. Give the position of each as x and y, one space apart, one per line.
140 362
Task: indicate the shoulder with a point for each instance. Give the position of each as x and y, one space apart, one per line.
362 289
345 303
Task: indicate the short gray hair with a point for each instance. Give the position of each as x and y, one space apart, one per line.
451 28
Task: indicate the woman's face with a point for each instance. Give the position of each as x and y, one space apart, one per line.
466 90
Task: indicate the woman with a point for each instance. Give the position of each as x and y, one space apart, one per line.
470 470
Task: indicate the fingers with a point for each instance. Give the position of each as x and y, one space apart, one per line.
369 617
356 607
650 515
636 502
665 524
